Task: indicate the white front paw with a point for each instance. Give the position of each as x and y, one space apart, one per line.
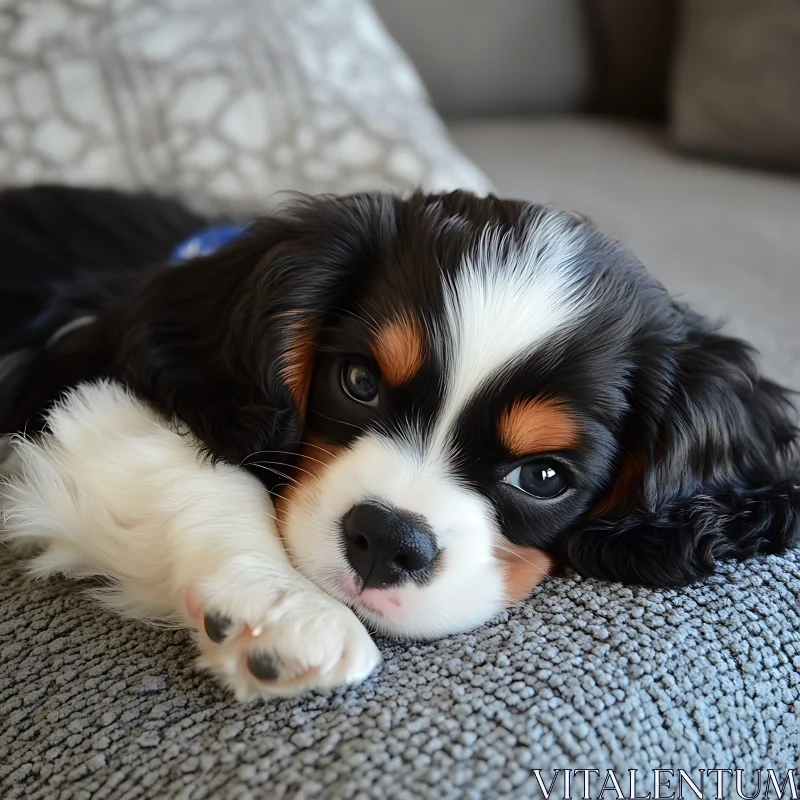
262 641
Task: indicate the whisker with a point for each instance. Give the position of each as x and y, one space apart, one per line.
283 453
339 421
324 449
377 325
274 517
541 571
280 486
278 473
373 326
278 463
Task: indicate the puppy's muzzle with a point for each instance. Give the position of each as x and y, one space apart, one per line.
387 546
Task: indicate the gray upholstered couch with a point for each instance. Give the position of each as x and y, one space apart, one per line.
583 675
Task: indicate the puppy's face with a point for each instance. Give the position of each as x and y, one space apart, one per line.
461 413
443 393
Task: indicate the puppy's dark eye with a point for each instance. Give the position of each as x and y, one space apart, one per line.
543 479
360 383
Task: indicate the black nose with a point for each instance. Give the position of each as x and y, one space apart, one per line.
386 547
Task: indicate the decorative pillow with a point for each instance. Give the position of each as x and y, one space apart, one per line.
220 102
736 81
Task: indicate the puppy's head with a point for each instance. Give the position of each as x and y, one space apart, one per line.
443 391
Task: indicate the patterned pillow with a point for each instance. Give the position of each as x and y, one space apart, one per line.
220 102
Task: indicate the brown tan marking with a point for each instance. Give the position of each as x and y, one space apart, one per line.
299 364
399 349
537 426
523 568
313 459
627 487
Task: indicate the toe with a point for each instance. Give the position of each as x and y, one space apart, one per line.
217 627
263 666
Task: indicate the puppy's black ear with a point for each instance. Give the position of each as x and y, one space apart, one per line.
711 470
226 343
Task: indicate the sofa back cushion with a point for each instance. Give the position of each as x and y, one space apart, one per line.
496 57
736 83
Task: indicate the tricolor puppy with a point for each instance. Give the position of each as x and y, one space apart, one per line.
367 413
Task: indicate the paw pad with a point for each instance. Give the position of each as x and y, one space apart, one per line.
263 666
217 627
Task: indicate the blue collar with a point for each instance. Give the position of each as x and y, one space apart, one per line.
206 241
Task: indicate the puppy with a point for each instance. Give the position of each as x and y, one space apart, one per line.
366 411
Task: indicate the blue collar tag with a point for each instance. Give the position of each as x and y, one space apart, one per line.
206 242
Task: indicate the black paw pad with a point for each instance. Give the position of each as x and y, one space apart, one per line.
263 666
217 626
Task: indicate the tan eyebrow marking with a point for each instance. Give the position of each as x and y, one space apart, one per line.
399 349
535 426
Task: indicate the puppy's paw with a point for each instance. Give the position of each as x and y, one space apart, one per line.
263 642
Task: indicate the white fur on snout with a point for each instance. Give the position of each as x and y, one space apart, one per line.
466 587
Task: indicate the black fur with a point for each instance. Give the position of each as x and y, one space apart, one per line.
682 540
210 342
723 471
68 253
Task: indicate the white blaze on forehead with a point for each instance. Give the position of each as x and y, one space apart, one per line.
508 297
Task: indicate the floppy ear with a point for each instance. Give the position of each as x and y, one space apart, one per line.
226 343
711 471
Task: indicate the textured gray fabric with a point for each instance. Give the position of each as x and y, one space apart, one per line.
583 675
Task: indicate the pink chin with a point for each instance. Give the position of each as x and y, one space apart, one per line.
381 601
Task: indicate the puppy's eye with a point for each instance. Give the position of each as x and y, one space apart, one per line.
360 383
543 479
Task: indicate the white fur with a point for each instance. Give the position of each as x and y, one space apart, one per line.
116 491
503 305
